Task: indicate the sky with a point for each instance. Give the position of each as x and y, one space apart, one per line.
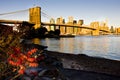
87 10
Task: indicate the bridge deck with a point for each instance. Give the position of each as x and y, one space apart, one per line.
51 24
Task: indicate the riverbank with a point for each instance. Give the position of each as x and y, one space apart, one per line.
83 67
87 63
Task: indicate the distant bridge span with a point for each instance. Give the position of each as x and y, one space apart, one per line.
46 24
67 25
72 25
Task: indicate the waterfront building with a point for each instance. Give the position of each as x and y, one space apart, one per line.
95 25
75 29
80 22
62 28
82 31
103 26
52 27
117 30
70 19
70 29
112 29
58 21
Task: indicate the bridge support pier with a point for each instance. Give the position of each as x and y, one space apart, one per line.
95 32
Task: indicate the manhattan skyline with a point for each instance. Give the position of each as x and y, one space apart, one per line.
87 10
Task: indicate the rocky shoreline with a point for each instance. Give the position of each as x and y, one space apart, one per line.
83 67
66 66
87 63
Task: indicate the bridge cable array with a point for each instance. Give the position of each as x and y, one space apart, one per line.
14 12
43 13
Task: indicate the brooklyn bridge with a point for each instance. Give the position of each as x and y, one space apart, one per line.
71 27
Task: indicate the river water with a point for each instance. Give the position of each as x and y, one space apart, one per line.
98 46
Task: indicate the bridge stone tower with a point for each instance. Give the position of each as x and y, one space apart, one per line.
96 26
35 16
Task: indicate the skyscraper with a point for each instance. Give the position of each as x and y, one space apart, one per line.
52 27
62 28
70 29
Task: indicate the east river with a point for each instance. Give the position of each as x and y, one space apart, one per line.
98 46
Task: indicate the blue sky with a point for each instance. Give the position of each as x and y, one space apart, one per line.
88 10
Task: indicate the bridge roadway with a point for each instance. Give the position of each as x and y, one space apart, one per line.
52 24
72 25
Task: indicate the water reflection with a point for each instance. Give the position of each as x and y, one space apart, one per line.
36 41
101 46
67 45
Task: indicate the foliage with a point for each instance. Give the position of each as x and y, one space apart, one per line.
16 58
9 44
57 32
22 60
40 33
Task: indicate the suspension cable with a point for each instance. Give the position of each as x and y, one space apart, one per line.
13 12
44 13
